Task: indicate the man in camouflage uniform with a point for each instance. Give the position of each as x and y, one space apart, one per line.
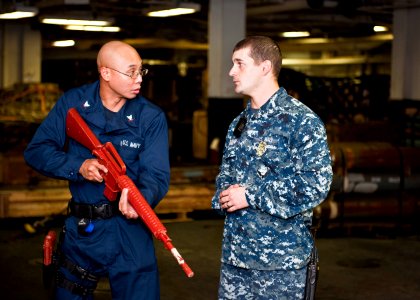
276 168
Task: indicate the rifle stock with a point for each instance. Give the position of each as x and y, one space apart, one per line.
77 129
116 180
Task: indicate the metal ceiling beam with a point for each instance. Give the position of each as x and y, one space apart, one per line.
286 6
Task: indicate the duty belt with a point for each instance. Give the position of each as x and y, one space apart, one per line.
92 212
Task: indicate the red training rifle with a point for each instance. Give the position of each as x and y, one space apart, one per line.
116 180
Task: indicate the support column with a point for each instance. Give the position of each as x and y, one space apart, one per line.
404 106
20 50
226 28
405 75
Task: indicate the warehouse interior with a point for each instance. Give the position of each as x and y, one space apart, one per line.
347 71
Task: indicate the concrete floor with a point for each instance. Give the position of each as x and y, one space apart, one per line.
351 267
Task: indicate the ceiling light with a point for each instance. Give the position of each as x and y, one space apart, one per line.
20 12
81 22
293 34
380 28
93 28
65 43
181 9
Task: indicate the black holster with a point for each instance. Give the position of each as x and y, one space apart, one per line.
49 270
312 275
48 275
53 277
49 265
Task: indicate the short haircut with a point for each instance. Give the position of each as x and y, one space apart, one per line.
262 48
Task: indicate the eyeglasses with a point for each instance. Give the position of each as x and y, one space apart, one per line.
133 74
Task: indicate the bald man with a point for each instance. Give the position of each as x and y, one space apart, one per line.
101 238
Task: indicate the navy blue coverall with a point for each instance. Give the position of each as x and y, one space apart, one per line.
117 247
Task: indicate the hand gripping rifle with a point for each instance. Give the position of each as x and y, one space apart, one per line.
116 180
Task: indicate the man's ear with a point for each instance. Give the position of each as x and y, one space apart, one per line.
267 67
105 73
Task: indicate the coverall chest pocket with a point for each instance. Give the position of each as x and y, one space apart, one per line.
130 149
272 158
127 145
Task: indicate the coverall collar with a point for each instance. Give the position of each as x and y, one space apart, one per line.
94 111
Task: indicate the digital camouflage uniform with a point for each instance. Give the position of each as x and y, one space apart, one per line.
283 159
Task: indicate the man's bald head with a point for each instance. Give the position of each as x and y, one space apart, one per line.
114 53
120 75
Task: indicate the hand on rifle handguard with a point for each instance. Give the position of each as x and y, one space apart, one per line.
125 207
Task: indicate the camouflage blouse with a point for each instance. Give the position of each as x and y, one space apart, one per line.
282 158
